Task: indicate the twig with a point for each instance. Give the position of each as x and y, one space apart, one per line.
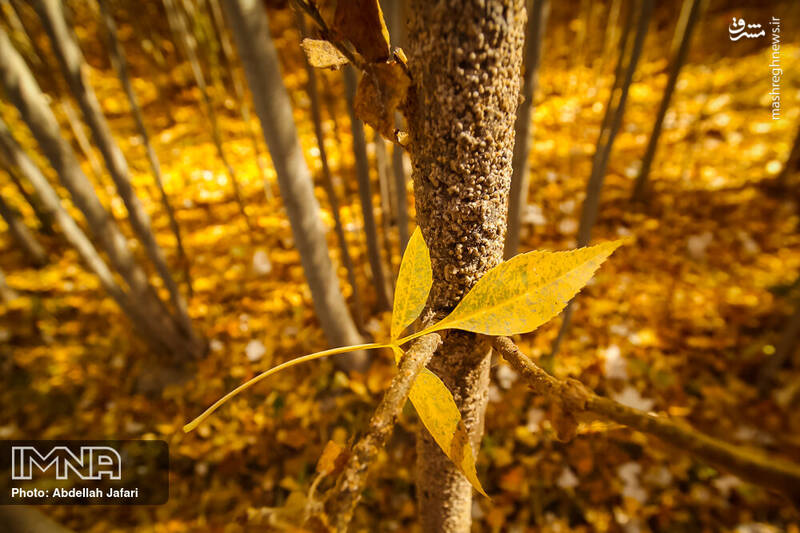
752 465
347 493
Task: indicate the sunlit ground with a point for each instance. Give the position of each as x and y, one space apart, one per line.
679 321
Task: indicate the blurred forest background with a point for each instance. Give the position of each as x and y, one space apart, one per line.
697 318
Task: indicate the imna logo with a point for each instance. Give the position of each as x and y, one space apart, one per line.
90 462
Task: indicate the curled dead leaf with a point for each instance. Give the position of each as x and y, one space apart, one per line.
361 22
381 90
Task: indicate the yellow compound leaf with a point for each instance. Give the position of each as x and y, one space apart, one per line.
526 291
413 284
439 414
322 54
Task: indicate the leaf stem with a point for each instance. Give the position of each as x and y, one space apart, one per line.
274 370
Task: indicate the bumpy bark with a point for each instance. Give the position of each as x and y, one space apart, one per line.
465 59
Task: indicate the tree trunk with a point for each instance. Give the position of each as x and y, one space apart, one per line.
6 293
518 198
151 327
238 88
792 164
21 88
45 221
70 59
690 13
465 60
22 235
395 19
250 28
189 45
385 194
365 193
18 519
118 59
327 180
591 204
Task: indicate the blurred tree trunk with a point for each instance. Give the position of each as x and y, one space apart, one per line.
22 235
365 193
690 13
228 56
45 220
6 293
327 180
591 204
792 164
395 19
188 44
21 88
465 60
250 28
118 60
73 66
385 194
520 179
151 326
18 519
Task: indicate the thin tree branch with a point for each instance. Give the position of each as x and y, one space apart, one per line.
749 464
348 489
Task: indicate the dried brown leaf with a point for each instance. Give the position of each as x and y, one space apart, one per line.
322 54
361 22
381 90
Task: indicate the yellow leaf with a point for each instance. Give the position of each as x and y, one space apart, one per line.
413 284
526 291
439 414
322 54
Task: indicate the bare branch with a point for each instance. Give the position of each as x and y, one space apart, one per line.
749 464
347 493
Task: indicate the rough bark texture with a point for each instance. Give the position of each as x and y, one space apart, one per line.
70 59
22 235
465 60
365 193
351 482
249 25
520 179
690 14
